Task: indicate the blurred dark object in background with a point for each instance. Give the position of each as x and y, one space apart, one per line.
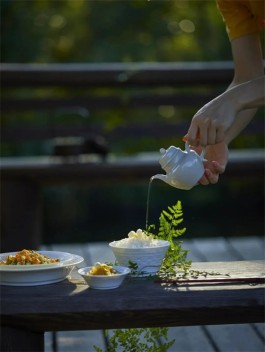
75 146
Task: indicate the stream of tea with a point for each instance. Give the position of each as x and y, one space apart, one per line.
147 204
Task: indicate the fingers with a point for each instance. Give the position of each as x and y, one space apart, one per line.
206 128
212 176
218 168
204 181
205 134
193 135
220 134
185 138
201 132
209 178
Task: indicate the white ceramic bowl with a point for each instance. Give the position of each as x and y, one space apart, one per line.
148 259
104 282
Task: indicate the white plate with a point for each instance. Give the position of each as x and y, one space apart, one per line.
42 274
62 256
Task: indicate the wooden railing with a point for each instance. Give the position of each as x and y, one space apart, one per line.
129 86
88 90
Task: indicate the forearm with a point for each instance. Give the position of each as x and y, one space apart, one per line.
249 94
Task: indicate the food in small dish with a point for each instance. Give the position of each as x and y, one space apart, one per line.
141 249
102 269
103 281
28 257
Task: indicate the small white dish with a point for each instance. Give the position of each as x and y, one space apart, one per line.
104 282
39 274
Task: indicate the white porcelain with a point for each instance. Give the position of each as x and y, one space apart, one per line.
104 282
64 258
183 168
148 259
43 274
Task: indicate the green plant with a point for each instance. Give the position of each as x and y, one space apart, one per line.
174 266
134 340
146 339
169 230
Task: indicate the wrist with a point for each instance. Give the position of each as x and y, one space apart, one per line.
250 94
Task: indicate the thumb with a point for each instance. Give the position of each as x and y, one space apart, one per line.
185 138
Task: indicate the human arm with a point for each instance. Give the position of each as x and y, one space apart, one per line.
223 118
249 81
249 94
249 73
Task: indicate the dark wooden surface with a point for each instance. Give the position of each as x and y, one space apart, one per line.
68 302
71 305
206 338
115 74
20 340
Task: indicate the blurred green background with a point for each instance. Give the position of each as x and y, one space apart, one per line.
47 31
83 31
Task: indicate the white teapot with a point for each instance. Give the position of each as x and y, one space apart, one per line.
183 168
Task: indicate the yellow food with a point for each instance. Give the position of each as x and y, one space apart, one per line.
28 257
102 269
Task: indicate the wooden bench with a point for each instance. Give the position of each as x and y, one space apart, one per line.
29 311
128 87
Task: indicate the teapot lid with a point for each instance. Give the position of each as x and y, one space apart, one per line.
170 157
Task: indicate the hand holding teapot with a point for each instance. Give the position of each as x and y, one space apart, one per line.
183 168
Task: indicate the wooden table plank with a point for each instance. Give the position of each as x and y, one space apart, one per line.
76 341
236 337
81 340
248 248
203 337
100 252
191 339
214 249
72 305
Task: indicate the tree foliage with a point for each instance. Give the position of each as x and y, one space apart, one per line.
111 30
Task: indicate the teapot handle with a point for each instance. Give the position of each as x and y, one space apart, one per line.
187 149
202 154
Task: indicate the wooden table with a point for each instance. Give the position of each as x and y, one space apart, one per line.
27 312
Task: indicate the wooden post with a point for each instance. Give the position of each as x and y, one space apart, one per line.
18 340
20 215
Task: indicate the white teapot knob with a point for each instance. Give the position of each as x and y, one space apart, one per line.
170 157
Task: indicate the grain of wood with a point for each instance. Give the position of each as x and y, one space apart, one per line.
226 338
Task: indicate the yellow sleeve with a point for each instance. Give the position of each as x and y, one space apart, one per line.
242 17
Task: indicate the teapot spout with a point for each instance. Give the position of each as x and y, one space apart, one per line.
160 177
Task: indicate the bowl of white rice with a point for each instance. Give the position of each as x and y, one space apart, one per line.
140 249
